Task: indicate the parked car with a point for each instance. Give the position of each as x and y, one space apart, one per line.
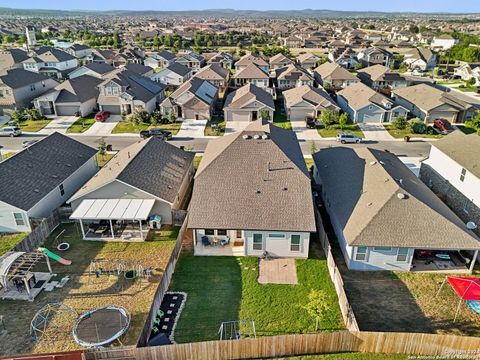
348 138
158 133
310 122
443 125
10 131
28 143
102 116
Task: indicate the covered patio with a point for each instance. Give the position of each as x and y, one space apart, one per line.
115 219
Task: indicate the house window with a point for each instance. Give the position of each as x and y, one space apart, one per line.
462 174
361 254
19 219
257 242
295 243
402 254
239 234
1 93
32 87
382 248
276 235
209 232
222 232
62 190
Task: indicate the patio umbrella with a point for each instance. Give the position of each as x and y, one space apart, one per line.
466 288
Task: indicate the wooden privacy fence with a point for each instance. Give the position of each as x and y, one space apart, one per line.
163 286
39 233
345 308
302 344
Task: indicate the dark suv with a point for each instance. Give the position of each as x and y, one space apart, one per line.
158 133
310 122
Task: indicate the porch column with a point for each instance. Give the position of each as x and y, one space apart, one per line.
111 229
48 264
81 227
474 260
141 230
25 281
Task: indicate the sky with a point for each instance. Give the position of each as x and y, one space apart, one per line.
361 5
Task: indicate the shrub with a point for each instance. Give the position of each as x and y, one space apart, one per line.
343 120
417 126
32 114
16 116
328 118
400 122
156 117
137 117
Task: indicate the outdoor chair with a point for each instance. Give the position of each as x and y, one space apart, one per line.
225 242
205 241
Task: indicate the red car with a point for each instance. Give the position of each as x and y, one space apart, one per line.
443 125
102 116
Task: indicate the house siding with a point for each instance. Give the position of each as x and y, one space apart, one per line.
7 221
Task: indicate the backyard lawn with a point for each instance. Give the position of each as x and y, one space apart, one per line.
81 125
8 242
84 292
33 125
226 288
280 118
400 134
196 161
333 130
129 127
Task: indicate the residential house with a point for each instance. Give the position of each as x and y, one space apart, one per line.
195 99
345 57
291 76
271 209
216 74
249 59
173 75
123 92
39 179
376 56
12 59
101 56
420 59
292 41
251 74
382 78
51 62
443 42
365 105
128 55
140 69
307 101
80 51
72 97
191 60
468 72
141 188
161 59
278 61
247 104
452 172
383 215
308 61
334 76
429 103
225 60
18 87
95 69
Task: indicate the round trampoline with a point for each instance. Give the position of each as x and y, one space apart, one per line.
130 274
101 326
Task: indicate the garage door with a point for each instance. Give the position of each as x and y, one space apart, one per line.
239 116
373 118
112 109
297 114
448 115
67 110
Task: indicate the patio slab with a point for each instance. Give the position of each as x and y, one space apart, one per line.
277 271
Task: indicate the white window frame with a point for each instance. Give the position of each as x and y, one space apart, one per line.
299 243
398 255
22 220
253 242
463 173
361 253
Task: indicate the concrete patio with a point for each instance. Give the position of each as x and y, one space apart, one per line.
277 271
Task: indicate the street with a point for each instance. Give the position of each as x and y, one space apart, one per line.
400 148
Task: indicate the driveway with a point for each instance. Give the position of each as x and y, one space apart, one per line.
298 126
58 124
234 126
103 128
192 128
374 131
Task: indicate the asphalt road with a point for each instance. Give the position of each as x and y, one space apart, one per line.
400 148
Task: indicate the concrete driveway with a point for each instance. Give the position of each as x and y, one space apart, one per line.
234 126
103 128
298 126
373 131
192 128
58 124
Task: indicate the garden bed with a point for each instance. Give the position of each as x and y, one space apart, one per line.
401 133
81 125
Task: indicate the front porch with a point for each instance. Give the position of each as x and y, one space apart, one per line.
211 242
452 262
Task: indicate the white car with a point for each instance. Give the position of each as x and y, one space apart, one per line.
348 138
10 131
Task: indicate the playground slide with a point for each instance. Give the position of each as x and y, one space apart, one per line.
55 257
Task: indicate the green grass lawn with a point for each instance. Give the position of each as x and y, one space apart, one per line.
103 159
226 288
400 134
333 130
81 125
196 161
33 125
280 119
467 129
128 127
220 127
8 242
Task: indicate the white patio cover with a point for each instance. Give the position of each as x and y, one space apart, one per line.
6 262
113 209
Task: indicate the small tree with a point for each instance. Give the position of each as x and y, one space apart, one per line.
343 120
31 114
317 306
265 114
417 126
16 116
328 118
400 122
138 117
313 147
102 147
156 117
172 118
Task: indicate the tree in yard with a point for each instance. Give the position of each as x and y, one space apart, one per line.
31 114
265 114
417 126
102 147
172 118
328 118
313 147
16 116
343 120
400 123
317 306
138 117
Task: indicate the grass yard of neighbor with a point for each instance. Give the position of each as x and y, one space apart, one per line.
33 125
467 129
8 241
128 127
280 118
400 134
103 159
84 292
226 288
218 128
196 161
333 130
81 125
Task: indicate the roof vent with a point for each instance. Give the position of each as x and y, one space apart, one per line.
381 162
256 136
264 136
258 191
401 196
369 204
55 176
36 190
373 163
285 188
68 165
471 225
246 137
169 186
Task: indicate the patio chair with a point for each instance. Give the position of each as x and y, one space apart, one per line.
206 241
225 242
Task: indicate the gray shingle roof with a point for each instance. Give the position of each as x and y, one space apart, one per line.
179 69
362 188
31 174
79 89
256 184
247 94
17 78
